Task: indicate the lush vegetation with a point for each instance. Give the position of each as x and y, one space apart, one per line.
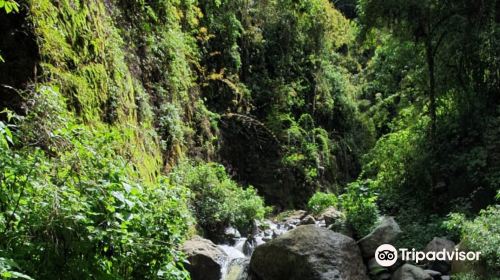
320 201
81 215
357 203
218 201
480 234
127 126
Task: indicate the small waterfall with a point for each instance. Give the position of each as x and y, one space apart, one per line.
236 266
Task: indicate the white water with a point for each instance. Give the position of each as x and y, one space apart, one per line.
239 253
233 252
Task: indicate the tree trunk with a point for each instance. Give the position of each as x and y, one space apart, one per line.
432 114
432 87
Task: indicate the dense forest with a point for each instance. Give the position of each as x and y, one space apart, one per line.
129 126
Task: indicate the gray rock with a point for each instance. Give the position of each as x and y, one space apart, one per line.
410 272
237 270
384 233
309 253
332 216
438 244
445 277
434 274
342 229
249 246
293 218
294 215
231 232
308 220
267 238
205 259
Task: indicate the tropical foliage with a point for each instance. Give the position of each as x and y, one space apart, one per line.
127 126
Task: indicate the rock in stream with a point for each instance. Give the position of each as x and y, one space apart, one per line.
309 252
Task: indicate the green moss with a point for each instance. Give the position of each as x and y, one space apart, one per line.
83 55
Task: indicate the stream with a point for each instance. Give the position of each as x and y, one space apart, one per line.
239 253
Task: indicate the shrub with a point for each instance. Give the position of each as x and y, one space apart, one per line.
81 215
480 234
218 201
320 201
358 204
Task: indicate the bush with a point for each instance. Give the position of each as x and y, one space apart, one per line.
218 201
480 234
81 215
358 204
320 201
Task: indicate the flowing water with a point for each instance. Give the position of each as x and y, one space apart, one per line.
237 262
236 266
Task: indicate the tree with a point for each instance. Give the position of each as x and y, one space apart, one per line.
427 23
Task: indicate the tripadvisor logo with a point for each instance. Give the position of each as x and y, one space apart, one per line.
386 255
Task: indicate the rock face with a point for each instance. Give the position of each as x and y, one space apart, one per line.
438 244
384 233
205 259
309 253
410 272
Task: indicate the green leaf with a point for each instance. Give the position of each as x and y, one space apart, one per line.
119 196
20 275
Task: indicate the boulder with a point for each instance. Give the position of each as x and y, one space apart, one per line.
291 219
237 270
309 253
410 272
332 216
308 220
205 259
228 236
231 233
438 244
384 233
294 215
